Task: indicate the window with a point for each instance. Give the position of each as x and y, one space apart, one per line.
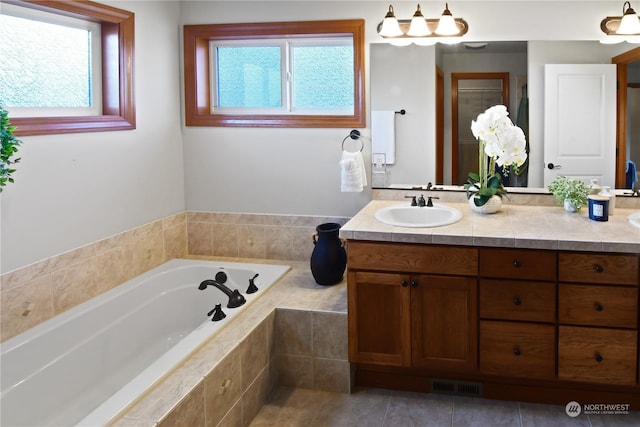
89 90
296 74
62 56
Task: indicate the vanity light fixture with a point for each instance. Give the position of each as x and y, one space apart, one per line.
626 25
421 30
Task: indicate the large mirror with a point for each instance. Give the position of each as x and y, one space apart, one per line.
418 79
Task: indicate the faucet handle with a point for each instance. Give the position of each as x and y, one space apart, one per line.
413 200
430 202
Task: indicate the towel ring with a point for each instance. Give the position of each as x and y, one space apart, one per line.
355 135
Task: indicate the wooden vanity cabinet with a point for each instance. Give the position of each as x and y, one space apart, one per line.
598 318
410 306
534 325
517 313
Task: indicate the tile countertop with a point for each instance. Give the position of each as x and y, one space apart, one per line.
519 226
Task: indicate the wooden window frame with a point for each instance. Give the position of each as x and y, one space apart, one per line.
196 72
118 106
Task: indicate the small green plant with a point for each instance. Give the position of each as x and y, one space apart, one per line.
574 191
9 148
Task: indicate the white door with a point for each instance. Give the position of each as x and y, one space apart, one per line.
580 122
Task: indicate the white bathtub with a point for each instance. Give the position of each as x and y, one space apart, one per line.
89 363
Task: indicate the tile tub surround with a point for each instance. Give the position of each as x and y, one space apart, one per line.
37 292
519 226
260 236
296 329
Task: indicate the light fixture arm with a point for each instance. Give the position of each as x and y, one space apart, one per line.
626 25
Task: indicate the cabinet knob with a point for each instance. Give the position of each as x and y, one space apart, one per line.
598 268
517 264
517 301
517 351
414 284
404 284
599 357
599 307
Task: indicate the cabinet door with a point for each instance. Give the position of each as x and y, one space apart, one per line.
444 322
379 319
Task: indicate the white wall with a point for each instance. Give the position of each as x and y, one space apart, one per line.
296 170
74 189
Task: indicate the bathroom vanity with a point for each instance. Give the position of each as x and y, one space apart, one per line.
530 304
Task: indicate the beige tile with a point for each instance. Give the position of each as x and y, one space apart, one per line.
189 412
200 238
294 371
233 418
278 242
256 219
294 332
174 220
148 251
225 218
175 240
75 284
329 335
164 397
116 266
302 243
30 272
251 241
225 240
25 306
128 422
223 388
429 410
331 375
476 411
289 407
72 257
255 396
254 355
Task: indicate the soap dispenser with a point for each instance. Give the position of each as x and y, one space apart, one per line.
606 191
595 188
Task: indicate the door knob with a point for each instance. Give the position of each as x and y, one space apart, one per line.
551 166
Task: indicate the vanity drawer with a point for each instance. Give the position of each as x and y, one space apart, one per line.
598 268
597 355
514 300
517 349
412 258
518 264
598 305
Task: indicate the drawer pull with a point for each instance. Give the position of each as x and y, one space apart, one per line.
599 357
599 268
404 284
517 301
517 264
599 307
414 284
517 351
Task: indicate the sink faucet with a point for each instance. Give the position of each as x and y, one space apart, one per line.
235 297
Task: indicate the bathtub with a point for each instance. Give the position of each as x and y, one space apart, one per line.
86 365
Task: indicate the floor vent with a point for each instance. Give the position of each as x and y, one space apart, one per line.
462 388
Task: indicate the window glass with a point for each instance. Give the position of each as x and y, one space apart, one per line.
249 77
323 77
51 64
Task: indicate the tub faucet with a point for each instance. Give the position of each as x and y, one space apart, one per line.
235 297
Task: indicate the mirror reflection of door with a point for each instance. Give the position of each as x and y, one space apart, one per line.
471 94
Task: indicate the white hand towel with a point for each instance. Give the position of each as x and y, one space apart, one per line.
354 176
383 134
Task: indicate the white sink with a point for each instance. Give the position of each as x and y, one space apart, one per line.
634 219
414 216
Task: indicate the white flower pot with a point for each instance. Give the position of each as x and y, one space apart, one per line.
568 206
493 205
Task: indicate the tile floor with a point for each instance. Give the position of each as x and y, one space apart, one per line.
291 407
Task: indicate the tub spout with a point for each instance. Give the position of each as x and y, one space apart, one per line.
235 297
